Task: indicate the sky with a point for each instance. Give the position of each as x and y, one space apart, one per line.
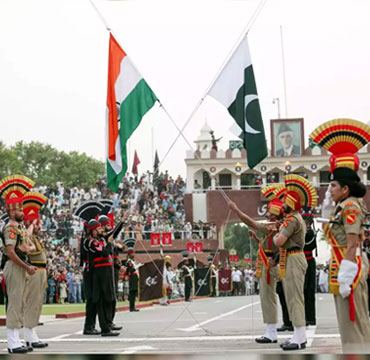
54 53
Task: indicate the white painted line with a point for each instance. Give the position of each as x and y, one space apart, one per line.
176 338
198 326
135 349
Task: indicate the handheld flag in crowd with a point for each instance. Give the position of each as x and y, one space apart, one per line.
135 164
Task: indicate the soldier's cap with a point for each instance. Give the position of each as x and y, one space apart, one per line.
129 242
185 254
93 224
209 258
13 188
103 220
344 175
130 250
284 128
167 258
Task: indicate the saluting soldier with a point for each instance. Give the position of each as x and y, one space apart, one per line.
35 284
293 264
102 290
267 258
348 265
17 245
107 232
186 272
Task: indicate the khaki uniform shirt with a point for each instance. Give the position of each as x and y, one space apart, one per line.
37 256
11 231
349 215
294 229
265 241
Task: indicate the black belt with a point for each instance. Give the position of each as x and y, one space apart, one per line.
40 265
294 249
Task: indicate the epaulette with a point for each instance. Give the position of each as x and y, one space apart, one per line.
350 211
350 203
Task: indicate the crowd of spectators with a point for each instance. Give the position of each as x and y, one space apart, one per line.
155 205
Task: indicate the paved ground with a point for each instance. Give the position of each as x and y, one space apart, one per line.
212 326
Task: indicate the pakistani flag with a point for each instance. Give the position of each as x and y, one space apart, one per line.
129 98
236 89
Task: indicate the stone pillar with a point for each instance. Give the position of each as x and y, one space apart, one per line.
213 182
314 180
238 183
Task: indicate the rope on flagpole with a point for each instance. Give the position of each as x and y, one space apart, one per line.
245 31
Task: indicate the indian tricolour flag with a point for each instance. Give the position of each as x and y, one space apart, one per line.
129 98
235 88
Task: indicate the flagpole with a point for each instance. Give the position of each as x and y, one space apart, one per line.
240 39
100 16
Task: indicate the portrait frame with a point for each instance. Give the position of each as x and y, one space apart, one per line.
297 127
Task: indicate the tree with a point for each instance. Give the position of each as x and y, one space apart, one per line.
237 237
46 165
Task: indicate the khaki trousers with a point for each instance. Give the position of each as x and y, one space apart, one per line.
268 296
33 297
293 285
15 282
355 336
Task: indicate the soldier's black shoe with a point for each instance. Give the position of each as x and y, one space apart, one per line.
287 342
28 348
18 350
40 324
285 328
116 327
293 346
91 332
38 345
110 333
135 310
265 340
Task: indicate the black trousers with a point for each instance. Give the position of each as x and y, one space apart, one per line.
188 286
309 291
213 287
90 317
104 314
131 298
284 307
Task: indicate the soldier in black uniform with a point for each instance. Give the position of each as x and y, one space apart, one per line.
131 271
102 277
367 252
187 275
107 232
87 211
310 277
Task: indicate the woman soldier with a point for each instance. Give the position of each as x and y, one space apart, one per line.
348 265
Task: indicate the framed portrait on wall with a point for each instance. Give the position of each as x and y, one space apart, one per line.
287 137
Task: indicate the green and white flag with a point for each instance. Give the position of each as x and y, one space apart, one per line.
129 98
235 88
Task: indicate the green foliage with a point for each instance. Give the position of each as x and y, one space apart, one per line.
46 165
237 237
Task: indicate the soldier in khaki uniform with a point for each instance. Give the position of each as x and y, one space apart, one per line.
293 264
17 245
348 265
266 268
35 284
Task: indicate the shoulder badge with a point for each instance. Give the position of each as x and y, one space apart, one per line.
351 219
